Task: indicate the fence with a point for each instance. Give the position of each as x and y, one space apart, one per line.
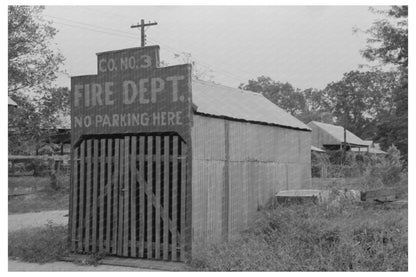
38 165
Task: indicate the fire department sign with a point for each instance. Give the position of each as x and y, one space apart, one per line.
131 94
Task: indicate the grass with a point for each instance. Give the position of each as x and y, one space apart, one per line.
347 237
45 199
39 245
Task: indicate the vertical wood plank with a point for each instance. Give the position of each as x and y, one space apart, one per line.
88 204
75 185
141 195
102 192
81 197
133 184
126 196
109 189
183 197
120 199
115 194
166 198
174 196
149 196
157 223
95 196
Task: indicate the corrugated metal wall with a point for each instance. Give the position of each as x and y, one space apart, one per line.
262 161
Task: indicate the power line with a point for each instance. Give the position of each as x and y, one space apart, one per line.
97 31
90 25
158 42
116 32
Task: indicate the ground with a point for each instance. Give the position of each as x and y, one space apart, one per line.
369 236
67 266
29 220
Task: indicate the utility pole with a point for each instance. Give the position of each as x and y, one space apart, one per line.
141 26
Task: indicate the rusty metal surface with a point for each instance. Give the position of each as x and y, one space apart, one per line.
222 101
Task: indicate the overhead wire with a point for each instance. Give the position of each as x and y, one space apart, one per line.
124 34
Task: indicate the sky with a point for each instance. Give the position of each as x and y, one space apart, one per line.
307 46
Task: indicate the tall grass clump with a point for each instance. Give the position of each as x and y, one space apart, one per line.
39 245
314 238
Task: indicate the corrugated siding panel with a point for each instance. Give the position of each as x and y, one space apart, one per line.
251 142
263 161
282 178
208 138
306 176
206 199
239 197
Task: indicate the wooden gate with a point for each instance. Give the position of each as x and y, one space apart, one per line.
128 196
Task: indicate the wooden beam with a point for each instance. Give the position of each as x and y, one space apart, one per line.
142 188
165 212
133 184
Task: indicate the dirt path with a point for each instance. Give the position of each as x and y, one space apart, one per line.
66 266
28 220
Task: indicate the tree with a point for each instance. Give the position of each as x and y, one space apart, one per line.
306 105
32 67
32 62
360 99
283 95
388 45
388 38
33 122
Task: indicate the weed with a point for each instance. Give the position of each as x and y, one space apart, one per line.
314 238
39 245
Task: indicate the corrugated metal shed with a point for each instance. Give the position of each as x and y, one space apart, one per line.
335 135
226 102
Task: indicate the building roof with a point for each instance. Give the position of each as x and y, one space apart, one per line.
368 142
337 132
12 103
222 101
317 149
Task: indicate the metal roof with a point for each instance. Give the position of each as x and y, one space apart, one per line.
337 132
317 149
12 103
222 101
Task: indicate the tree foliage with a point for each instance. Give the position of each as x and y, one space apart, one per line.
34 121
360 99
307 105
388 38
388 45
33 63
282 94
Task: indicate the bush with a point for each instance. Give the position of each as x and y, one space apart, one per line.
314 238
39 245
